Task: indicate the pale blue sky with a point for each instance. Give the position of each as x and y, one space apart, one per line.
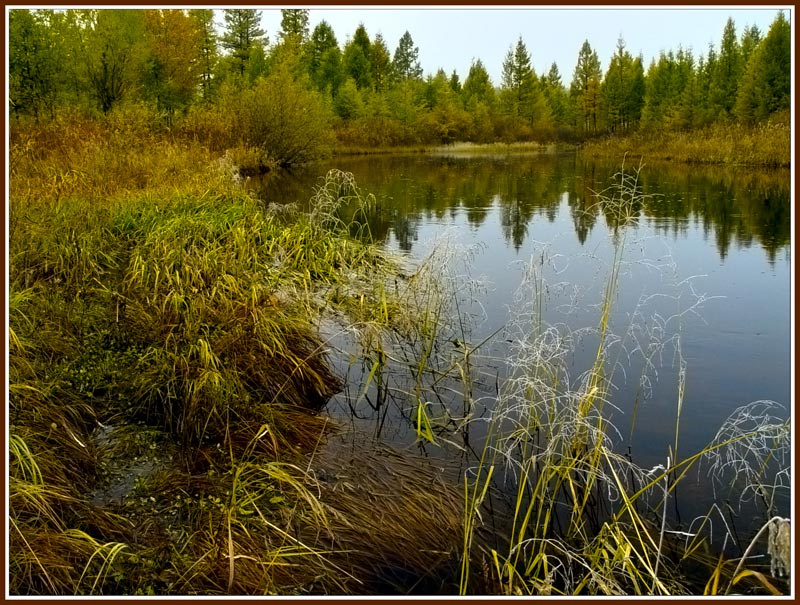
451 37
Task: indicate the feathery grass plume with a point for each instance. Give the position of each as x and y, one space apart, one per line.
580 515
753 459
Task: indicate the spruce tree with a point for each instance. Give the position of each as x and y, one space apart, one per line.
209 53
242 34
727 72
406 59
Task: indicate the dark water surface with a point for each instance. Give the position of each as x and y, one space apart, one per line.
708 260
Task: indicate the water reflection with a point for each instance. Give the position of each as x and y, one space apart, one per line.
715 238
736 207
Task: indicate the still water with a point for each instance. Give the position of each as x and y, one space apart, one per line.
706 272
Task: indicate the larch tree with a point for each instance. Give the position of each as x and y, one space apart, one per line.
324 59
766 84
380 64
478 87
521 96
751 38
585 88
174 69
556 96
208 47
356 59
727 72
622 88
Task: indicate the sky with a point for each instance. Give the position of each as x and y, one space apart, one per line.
452 37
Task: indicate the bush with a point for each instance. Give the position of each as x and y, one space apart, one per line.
281 116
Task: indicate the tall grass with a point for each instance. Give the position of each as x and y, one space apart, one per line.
765 145
170 348
165 370
585 519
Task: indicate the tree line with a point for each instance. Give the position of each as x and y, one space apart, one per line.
178 63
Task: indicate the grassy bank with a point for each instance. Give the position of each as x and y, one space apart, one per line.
466 149
166 370
767 145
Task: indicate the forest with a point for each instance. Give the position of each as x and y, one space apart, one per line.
296 94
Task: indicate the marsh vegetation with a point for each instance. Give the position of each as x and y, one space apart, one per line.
173 341
226 379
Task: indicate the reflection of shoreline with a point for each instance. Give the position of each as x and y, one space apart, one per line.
737 206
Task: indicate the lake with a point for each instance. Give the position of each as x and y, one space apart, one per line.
705 279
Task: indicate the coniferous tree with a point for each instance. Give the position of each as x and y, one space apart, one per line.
324 58
209 53
751 38
766 84
703 113
380 64
330 75
727 72
356 59
243 34
348 103
294 23
585 88
455 82
556 95
517 79
623 95
521 95
478 87
776 68
406 59
666 81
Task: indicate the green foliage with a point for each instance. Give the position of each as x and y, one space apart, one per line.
242 35
294 23
281 116
623 90
557 97
348 103
175 61
585 88
726 73
324 58
115 52
478 87
179 51
380 64
208 51
766 83
33 63
406 59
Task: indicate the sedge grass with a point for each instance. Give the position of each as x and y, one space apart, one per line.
148 294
